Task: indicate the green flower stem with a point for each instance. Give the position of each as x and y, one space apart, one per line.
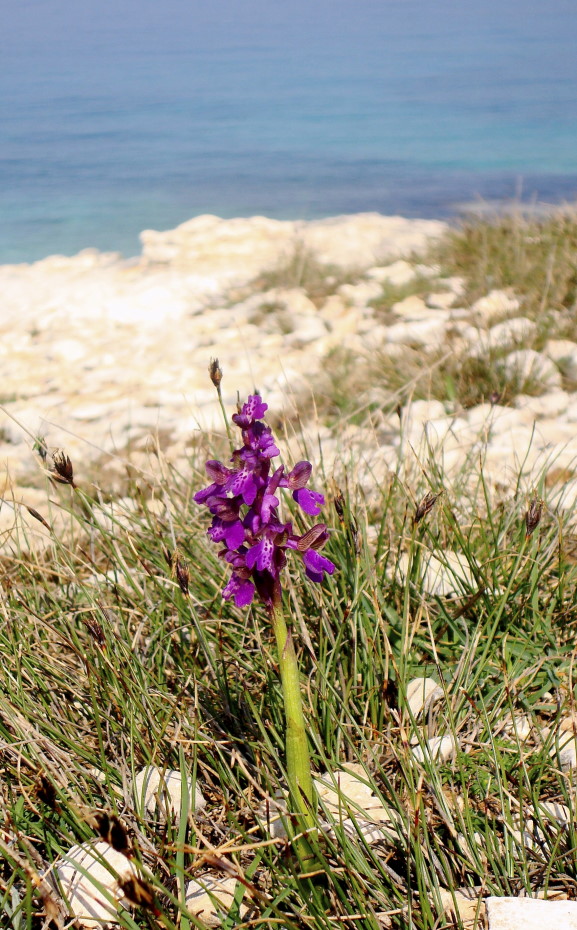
300 781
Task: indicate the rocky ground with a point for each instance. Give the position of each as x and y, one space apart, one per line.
100 354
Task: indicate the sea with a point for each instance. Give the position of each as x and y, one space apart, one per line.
123 115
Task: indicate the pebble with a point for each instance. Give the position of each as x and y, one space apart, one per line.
437 749
348 799
504 335
496 304
564 353
158 792
441 301
529 832
421 693
530 914
467 905
444 575
564 749
89 880
396 274
528 366
519 727
210 896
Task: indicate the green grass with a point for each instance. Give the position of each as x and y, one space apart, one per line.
536 257
107 665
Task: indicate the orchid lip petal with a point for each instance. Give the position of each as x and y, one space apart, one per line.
309 501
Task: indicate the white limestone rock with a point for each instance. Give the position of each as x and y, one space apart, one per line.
444 575
354 809
437 749
527 365
530 914
237 250
465 904
421 411
564 353
349 789
348 799
209 897
565 498
20 531
551 405
272 814
496 304
495 419
359 295
67 351
542 826
564 745
367 239
443 300
413 308
89 878
427 334
518 727
158 793
456 283
208 244
421 694
397 274
375 337
305 329
335 309
514 331
505 335
444 433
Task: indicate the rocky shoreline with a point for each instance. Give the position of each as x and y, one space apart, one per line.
100 353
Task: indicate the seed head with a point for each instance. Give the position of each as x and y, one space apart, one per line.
46 792
182 573
339 503
533 516
37 516
63 470
425 506
95 630
140 893
111 829
215 372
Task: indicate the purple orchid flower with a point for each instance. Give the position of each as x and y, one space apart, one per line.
244 505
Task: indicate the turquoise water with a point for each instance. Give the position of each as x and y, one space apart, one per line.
132 115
